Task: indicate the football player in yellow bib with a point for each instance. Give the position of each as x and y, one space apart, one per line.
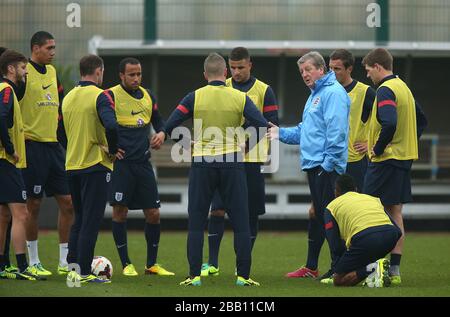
88 130
12 158
362 97
395 126
360 234
217 163
133 184
40 104
9 266
264 98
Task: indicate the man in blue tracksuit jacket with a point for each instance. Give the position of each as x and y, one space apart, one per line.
323 137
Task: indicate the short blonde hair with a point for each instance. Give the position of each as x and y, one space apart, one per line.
214 65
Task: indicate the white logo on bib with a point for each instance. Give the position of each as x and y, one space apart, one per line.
108 177
119 196
37 189
24 194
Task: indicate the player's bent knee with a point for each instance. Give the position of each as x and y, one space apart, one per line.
312 212
22 217
119 217
339 280
218 213
119 214
65 204
20 214
152 216
33 205
5 217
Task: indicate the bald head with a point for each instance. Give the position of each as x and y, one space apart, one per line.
215 66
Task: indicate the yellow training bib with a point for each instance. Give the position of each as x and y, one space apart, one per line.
40 104
16 133
85 133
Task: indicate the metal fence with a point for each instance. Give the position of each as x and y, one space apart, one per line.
20 19
326 20
290 20
245 20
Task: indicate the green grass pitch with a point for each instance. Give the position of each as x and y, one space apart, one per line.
424 269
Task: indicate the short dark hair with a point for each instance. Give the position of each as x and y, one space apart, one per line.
2 50
40 38
345 183
345 56
239 53
10 57
379 56
89 63
127 60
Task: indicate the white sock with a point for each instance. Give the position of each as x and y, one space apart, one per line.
33 255
63 250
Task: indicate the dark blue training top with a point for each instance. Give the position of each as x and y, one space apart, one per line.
135 141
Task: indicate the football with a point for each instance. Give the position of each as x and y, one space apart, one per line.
102 267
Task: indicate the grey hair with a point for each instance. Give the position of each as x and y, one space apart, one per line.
315 57
214 65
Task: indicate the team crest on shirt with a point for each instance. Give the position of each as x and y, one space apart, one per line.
316 101
119 196
140 122
24 194
108 177
48 96
37 189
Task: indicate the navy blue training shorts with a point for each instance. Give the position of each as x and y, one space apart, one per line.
45 170
389 183
12 187
368 246
134 185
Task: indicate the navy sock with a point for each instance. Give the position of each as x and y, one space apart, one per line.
316 237
2 262
21 262
152 234
216 227
395 259
7 244
119 230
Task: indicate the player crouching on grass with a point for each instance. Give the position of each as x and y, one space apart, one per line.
360 234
